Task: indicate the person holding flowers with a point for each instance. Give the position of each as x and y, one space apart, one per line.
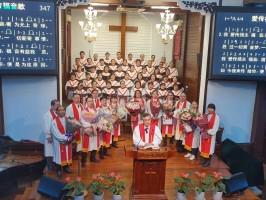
208 135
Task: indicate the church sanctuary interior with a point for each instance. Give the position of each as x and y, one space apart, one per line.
132 99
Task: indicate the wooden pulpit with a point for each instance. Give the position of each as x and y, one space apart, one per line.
149 173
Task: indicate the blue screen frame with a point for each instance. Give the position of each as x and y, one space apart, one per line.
211 63
54 70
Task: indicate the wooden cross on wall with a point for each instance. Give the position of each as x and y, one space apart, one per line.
123 29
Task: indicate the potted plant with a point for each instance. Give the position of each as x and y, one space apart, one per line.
97 185
218 186
183 184
75 189
203 184
116 185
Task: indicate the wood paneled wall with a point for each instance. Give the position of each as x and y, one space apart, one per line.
193 54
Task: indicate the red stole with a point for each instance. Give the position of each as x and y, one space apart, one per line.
63 151
189 140
53 114
151 132
206 140
76 117
183 106
97 103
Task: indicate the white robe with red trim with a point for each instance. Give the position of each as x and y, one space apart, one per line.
139 142
59 138
48 147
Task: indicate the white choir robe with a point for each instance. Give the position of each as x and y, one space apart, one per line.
138 69
129 83
59 138
133 75
94 141
101 84
131 62
48 147
119 61
167 126
108 61
212 132
125 68
93 75
139 142
150 70
173 72
80 76
195 138
123 94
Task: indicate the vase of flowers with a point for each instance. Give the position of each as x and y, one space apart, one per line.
97 185
203 183
218 186
183 184
116 185
75 189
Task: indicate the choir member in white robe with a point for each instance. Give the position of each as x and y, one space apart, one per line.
130 60
123 93
100 66
181 104
116 124
128 82
113 66
173 71
119 74
114 83
89 64
192 137
108 91
90 129
145 74
105 136
162 92
107 59
101 84
81 92
119 59
153 107
147 134
48 117
177 91
168 123
61 143
73 111
132 73
153 61
95 59
93 87
142 59
137 87
106 74
156 84
163 60
208 137
149 90
80 75
83 59
125 66
96 99
74 67
138 66
150 68
140 79
87 82
71 86
93 74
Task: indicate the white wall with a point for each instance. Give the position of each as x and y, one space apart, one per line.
25 100
235 105
146 40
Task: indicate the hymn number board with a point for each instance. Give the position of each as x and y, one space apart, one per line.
239 44
28 37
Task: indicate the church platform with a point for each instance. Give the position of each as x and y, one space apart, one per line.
118 163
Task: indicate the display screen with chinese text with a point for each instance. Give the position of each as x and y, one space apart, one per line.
239 44
28 37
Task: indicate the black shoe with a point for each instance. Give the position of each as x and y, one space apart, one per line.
105 152
114 145
165 141
206 164
172 140
67 170
101 153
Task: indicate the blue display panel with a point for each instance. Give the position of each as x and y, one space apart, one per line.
239 44
28 37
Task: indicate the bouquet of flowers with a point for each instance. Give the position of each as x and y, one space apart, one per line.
121 112
133 107
202 122
105 125
185 115
89 116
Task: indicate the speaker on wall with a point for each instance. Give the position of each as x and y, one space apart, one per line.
51 188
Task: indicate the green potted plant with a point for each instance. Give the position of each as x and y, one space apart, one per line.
218 186
97 185
183 184
75 189
116 185
203 183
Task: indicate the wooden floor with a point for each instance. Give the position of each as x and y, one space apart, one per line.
117 162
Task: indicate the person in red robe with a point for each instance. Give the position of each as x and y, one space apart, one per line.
208 136
61 142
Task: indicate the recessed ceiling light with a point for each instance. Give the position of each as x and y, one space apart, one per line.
99 4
